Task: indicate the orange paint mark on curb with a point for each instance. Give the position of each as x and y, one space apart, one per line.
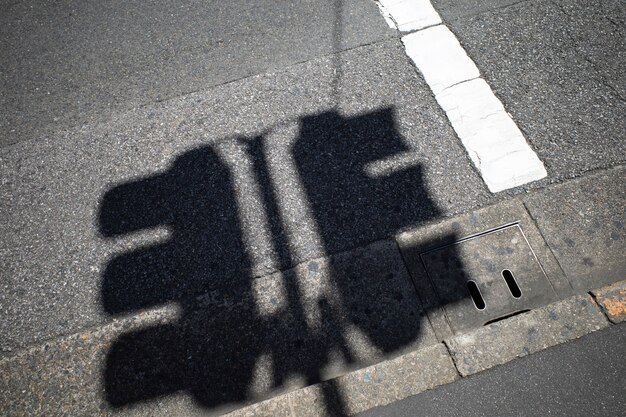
614 306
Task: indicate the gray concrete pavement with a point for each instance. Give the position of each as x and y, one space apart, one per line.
177 158
581 378
65 64
583 222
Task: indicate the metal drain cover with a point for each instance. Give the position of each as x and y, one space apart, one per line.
486 277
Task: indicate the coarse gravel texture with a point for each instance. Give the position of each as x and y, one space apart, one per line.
450 10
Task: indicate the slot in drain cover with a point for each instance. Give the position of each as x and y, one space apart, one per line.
482 278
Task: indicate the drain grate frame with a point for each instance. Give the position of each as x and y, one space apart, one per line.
452 233
469 279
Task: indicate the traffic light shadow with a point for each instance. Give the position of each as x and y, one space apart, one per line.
240 338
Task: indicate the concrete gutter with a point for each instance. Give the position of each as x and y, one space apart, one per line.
457 357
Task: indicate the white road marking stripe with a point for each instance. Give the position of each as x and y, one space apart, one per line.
439 57
386 15
493 141
410 15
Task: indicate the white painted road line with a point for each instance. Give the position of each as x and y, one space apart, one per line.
440 57
493 141
410 15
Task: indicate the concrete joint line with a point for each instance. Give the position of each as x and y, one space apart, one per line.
495 144
456 366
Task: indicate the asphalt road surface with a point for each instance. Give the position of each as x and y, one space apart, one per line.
586 377
67 63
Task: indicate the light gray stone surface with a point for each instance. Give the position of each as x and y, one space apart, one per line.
64 377
524 334
583 222
585 377
275 407
378 385
481 260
